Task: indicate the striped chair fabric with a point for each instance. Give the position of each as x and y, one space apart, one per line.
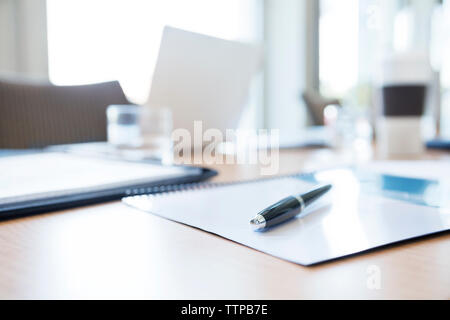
35 115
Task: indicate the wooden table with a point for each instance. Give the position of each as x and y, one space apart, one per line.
112 251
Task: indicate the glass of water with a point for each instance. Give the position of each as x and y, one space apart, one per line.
141 132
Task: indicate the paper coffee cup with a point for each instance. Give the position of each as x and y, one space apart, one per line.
399 136
403 84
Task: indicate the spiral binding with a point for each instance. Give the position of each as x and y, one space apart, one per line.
162 190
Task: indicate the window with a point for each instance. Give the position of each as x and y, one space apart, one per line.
92 41
338 47
355 34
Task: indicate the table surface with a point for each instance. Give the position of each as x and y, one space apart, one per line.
113 251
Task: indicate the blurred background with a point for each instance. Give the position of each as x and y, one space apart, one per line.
326 47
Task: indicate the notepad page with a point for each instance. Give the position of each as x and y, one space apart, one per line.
342 223
28 176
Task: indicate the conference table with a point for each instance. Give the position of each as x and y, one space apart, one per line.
111 251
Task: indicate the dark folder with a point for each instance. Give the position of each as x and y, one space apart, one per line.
48 181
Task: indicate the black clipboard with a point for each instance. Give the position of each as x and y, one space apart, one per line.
80 198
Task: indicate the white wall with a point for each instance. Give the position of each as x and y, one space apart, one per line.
291 47
23 37
7 45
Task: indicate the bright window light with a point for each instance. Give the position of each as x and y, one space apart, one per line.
338 42
101 40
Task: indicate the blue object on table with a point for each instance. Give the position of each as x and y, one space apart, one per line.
424 192
439 144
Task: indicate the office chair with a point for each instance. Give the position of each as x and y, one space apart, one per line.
39 114
316 104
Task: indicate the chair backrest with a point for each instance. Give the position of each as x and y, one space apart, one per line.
316 104
34 115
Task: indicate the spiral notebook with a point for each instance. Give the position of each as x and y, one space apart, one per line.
366 209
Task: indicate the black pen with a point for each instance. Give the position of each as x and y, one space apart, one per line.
286 209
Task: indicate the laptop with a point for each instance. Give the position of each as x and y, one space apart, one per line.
203 78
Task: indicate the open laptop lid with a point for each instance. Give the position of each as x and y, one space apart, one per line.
203 78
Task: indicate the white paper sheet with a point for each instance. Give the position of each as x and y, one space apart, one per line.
344 222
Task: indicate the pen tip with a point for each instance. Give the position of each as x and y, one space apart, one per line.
258 223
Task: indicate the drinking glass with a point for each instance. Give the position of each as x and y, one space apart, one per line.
141 132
